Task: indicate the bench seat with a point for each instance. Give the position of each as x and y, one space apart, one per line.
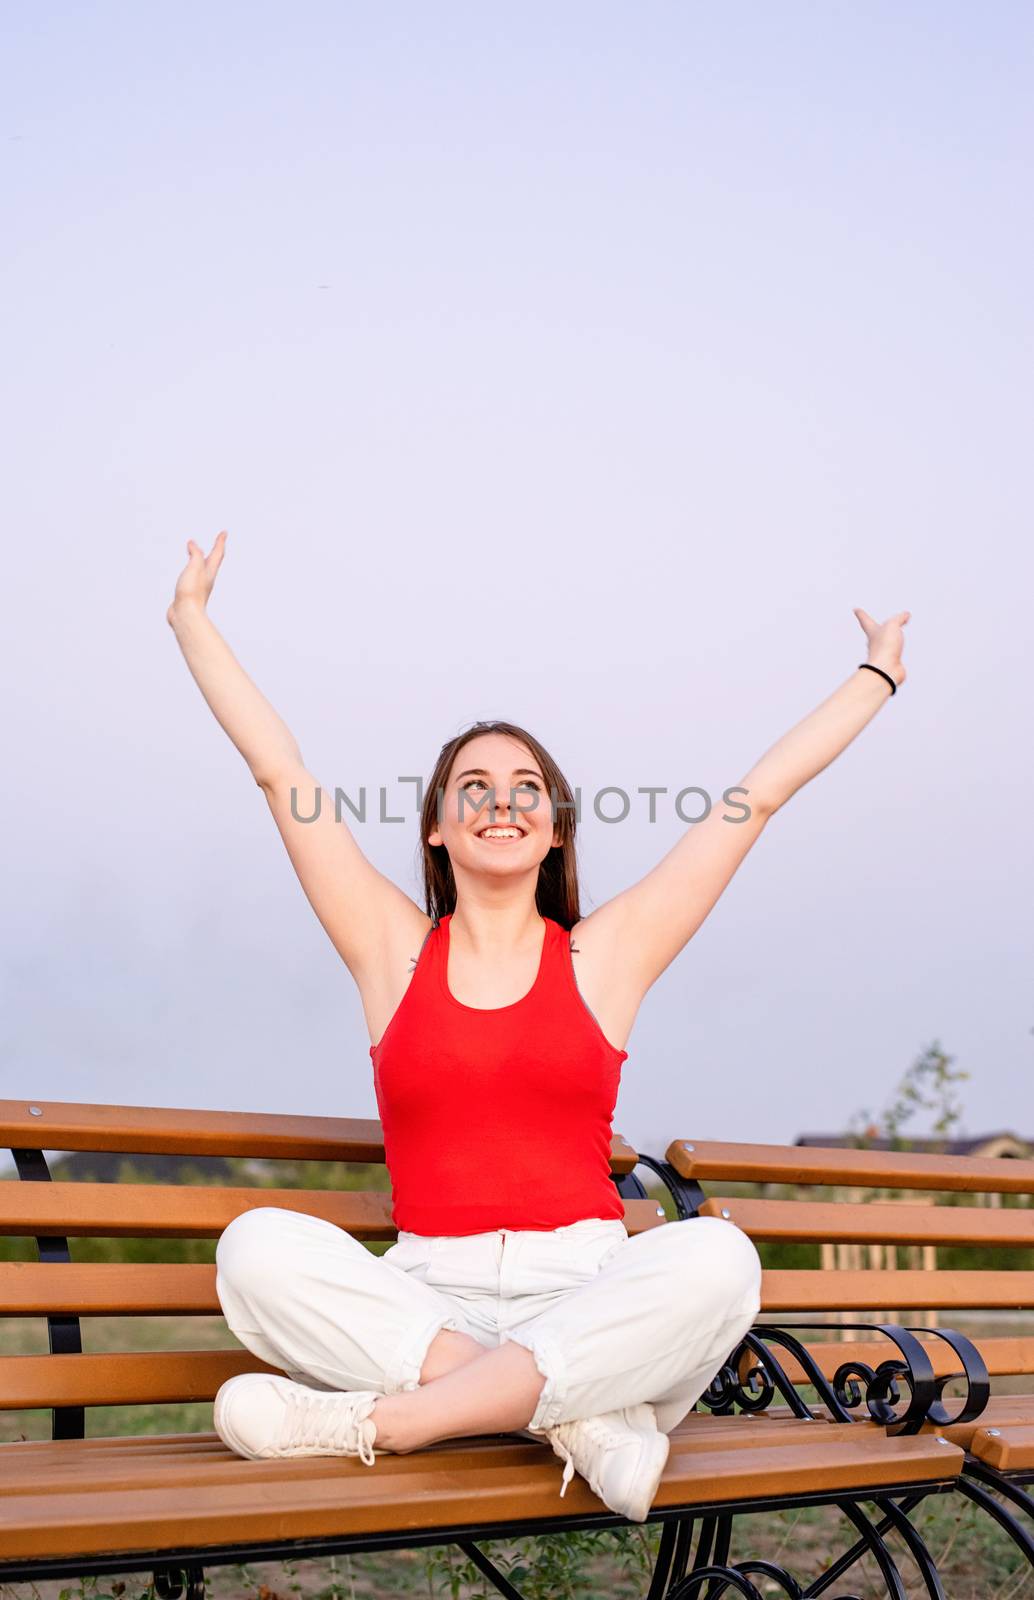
1003 1411
1012 1413
1006 1446
86 1497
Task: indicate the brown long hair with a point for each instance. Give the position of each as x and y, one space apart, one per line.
556 893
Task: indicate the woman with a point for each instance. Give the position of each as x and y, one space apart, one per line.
514 1299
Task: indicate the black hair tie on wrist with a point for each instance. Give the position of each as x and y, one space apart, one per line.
870 668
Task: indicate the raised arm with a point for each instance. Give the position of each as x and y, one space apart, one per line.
354 902
637 934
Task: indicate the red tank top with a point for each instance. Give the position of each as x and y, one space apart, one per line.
500 1117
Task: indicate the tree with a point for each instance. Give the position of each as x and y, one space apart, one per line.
928 1085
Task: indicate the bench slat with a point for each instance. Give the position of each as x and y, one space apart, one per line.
30 1288
1009 1449
1012 1411
143 1130
806 1291
177 1211
147 1130
803 1220
875 1169
52 1470
1001 1411
189 1211
124 1378
229 1500
105 1289
169 1376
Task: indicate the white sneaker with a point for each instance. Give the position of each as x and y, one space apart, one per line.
620 1453
261 1416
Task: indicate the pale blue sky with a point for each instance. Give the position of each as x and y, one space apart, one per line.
578 365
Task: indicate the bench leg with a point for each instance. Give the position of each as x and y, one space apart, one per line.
662 1564
894 1516
722 1578
669 1566
63 1333
711 1565
489 1570
713 1573
676 1534
976 1483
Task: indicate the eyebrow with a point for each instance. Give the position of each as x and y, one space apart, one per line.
482 772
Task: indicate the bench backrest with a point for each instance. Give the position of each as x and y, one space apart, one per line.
58 1287
808 1196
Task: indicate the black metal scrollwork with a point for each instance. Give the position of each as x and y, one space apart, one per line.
882 1394
732 1387
901 1393
974 1370
855 1383
718 1579
750 1380
179 1583
739 1576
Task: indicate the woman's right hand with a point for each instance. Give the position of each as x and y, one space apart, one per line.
194 584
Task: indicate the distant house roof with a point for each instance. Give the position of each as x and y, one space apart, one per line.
985 1144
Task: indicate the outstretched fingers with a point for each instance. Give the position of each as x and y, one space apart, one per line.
871 625
215 555
196 580
216 552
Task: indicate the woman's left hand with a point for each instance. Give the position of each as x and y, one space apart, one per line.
886 642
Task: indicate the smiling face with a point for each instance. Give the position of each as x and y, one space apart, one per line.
519 833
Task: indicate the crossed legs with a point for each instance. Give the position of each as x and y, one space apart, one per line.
464 1389
653 1324
304 1296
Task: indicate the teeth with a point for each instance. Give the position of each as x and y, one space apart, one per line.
500 833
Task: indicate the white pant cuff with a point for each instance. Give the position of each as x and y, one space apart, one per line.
549 1359
403 1373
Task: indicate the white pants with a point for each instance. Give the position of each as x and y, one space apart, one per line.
609 1320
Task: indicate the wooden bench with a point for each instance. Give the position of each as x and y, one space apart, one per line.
796 1201
177 1503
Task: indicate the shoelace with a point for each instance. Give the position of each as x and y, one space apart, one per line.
591 1426
562 1450
310 1421
594 1427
